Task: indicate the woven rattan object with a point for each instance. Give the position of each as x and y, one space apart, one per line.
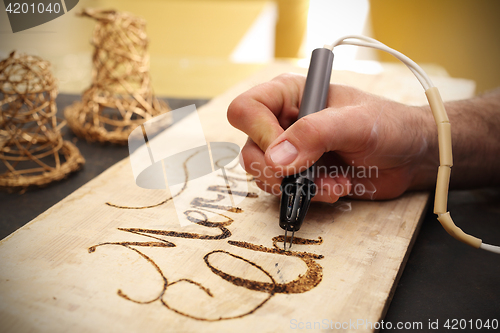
120 97
32 151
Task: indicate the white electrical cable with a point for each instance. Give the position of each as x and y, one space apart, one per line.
491 248
373 43
421 76
427 84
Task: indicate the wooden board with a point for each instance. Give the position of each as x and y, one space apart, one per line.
89 264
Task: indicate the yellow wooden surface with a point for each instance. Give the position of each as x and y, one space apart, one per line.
192 28
171 76
176 28
291 27
190 43
460 35
197 77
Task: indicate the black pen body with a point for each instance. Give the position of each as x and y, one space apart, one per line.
298 190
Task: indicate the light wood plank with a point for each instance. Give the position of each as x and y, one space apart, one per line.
51 282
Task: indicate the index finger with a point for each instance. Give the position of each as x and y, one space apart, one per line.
264 111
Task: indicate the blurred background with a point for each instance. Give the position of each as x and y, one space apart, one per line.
199 48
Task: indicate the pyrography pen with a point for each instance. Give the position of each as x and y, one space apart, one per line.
298 190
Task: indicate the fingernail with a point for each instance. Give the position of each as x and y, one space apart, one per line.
283 154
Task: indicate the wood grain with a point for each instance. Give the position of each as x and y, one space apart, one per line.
85 265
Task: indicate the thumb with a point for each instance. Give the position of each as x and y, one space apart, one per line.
303 143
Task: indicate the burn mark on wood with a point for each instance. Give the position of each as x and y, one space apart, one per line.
296 240
186 178
303 283
209 203
227 189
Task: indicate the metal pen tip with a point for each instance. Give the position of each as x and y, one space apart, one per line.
286 238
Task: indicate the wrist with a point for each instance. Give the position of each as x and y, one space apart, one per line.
427 163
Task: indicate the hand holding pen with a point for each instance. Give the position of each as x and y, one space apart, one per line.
356 129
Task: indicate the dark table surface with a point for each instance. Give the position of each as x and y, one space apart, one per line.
443 278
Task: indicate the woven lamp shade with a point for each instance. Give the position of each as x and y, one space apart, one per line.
120 97
32 151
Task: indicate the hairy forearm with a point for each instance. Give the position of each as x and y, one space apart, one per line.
475 126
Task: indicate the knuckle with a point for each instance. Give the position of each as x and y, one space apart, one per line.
236 110
285 77
262 140
307 129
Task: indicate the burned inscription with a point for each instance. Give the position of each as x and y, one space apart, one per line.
302 283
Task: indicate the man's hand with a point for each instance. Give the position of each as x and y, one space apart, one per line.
370 147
